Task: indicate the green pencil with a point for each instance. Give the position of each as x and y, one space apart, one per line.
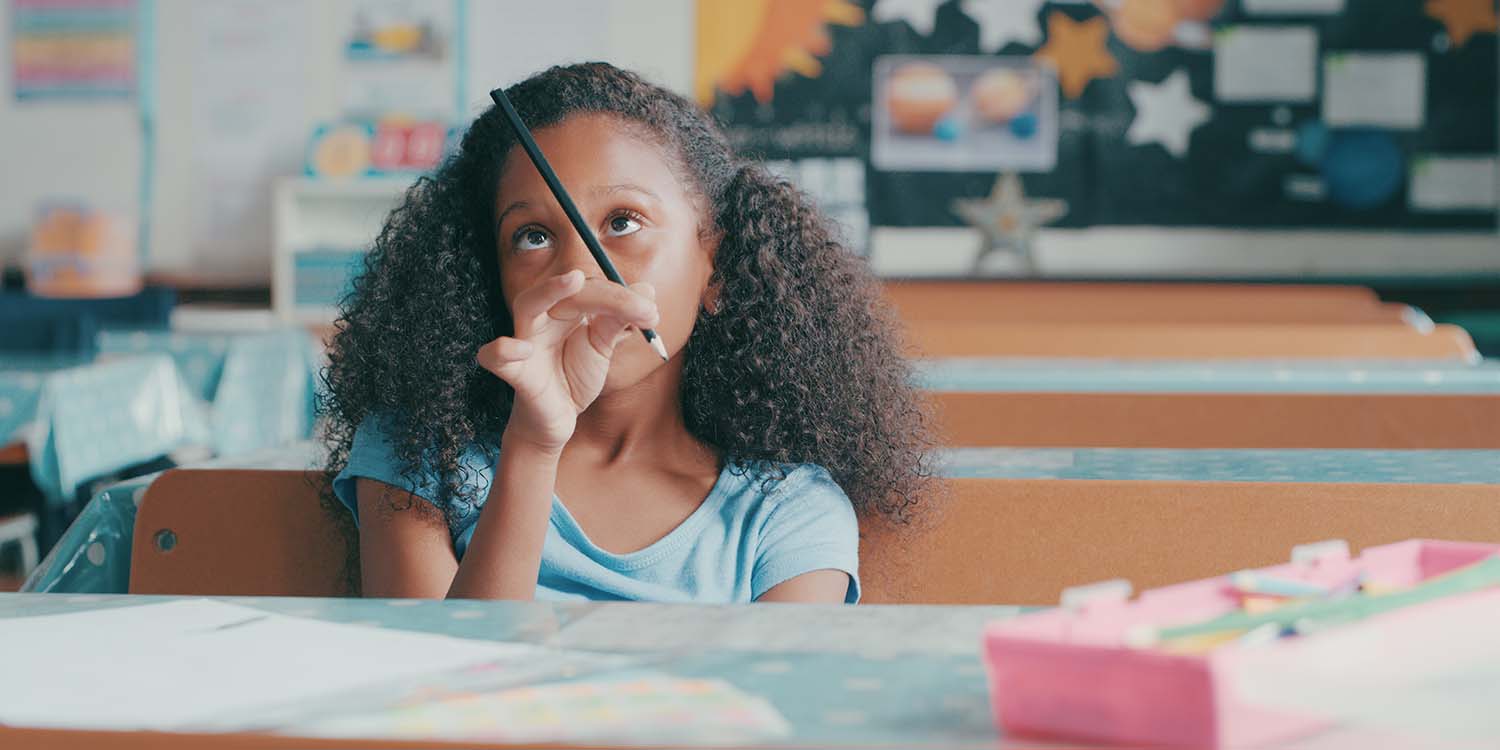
1481 575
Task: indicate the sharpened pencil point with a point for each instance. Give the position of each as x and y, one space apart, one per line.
661 349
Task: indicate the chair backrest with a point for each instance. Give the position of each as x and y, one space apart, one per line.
266 533
1219 420
240 532
1024 302
1189 341
1023 541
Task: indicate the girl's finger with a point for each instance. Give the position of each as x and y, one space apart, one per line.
602 298
538 299
503 351
605 332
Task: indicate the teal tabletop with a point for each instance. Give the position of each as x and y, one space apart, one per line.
1213 465
835 676
93 556
1311 376
81 420
892 676
21 381
257 387
149 393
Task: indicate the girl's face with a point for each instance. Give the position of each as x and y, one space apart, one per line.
644 217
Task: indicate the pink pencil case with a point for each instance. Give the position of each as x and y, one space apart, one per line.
1067 673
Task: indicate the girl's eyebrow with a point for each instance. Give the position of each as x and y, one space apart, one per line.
501 219
624 187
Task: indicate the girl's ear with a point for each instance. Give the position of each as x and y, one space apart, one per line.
710 299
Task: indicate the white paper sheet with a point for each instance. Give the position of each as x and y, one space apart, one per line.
1380 89
1293 7
198 662
1454 183
1266 64
1430 672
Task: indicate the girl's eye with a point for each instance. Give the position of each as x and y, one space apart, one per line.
531 239
623 224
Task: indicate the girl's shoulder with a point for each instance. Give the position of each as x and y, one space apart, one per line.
773 484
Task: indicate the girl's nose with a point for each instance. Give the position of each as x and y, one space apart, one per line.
572 254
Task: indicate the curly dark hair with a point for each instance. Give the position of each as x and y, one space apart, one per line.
800 361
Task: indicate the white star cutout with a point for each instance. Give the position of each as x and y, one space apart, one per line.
920 14
1166 113
1004 21
1007 221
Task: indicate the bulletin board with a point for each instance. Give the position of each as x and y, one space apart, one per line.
1267 114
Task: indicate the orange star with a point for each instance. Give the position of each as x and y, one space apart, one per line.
1464 18
1077 51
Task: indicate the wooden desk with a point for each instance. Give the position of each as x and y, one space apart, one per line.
1024 540
1214 405
1059 302
1162 341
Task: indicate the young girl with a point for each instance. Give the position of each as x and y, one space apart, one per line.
499 428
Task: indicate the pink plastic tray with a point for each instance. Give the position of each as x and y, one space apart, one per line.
1067 673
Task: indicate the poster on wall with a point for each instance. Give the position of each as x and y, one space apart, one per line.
791 87
73 49
249 122
1261 114
399 58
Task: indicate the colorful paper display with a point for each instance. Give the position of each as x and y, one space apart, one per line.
73 48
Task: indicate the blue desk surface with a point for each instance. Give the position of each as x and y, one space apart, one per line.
863 676
1209 465
85 419
21 381
152 392
894 676
1091 376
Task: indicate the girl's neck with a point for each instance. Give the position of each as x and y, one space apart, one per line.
643 422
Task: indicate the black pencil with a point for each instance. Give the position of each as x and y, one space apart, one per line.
527 142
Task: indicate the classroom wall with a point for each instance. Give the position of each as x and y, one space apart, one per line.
92 150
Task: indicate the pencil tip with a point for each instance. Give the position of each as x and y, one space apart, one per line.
661 349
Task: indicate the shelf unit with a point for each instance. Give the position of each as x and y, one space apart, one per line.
321 231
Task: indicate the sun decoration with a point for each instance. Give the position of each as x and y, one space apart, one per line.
1077 50
1464 18
749 44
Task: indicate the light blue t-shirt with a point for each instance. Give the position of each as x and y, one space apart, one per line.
749 534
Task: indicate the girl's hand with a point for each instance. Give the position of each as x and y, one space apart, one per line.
567 328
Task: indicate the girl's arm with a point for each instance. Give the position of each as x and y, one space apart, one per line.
817 587
505 553
407 553
567 328
405 548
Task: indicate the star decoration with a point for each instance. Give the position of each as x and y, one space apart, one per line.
1004 21
1165 113
920 14
1006 220
1464 18
1077 50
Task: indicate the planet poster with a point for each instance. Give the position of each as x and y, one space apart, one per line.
1271 114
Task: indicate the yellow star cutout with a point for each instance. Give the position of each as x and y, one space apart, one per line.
1464 18
1077 50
